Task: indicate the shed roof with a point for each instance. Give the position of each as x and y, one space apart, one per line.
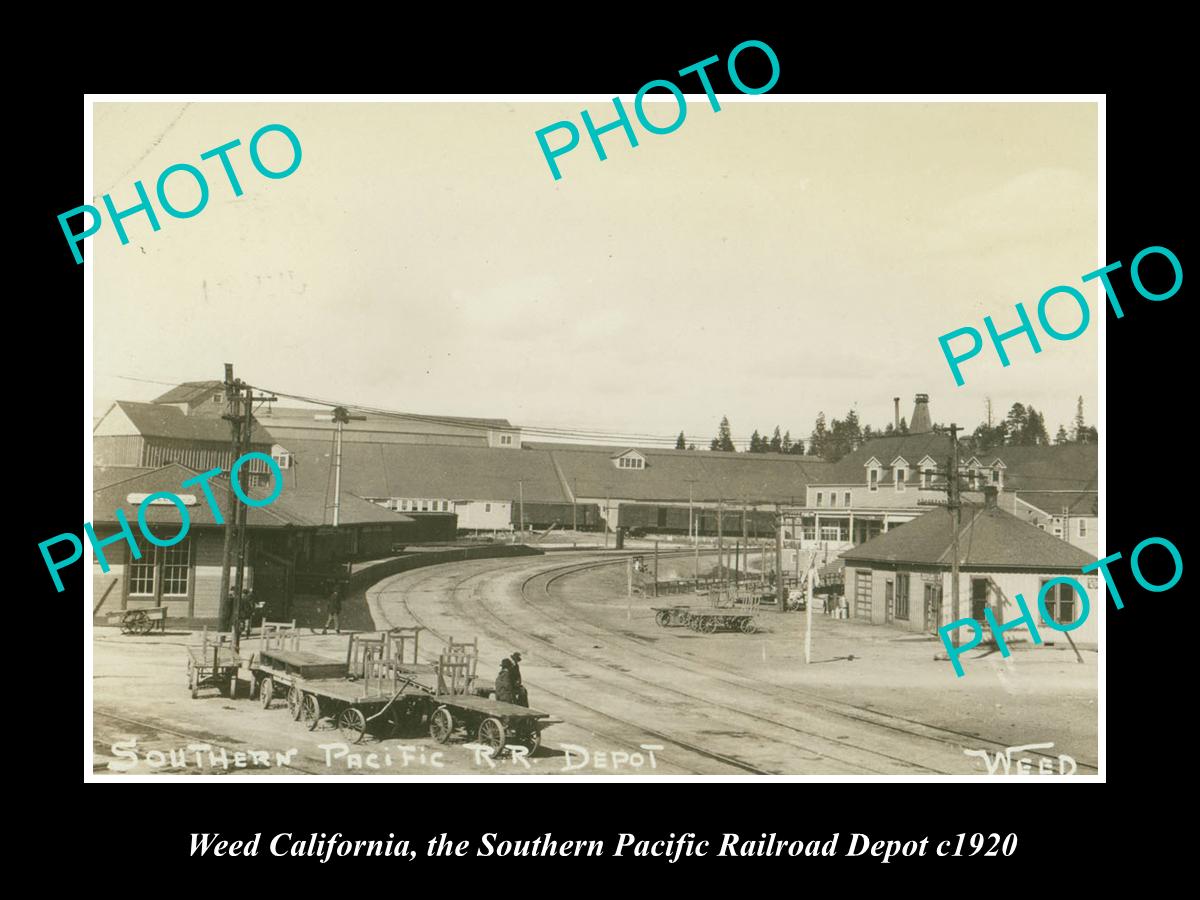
299 509
155 420
989 538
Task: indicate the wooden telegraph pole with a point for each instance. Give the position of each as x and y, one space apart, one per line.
243 533
780 590
233 417
954 502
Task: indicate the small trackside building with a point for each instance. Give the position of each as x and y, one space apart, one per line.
287 540
902 578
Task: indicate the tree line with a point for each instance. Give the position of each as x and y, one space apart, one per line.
831 440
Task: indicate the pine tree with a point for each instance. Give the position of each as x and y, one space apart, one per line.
756 442
903 429
776 445
1016 423
786 446
1079 433
724 439
680 442
798 448
816 441
1061 437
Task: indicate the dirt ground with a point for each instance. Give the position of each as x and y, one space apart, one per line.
632 698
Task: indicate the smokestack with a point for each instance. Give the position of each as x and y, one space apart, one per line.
896 420
920 423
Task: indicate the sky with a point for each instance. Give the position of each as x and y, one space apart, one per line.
764 262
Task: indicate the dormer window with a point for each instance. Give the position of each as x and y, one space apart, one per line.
833 498
972 480
901 475
926 476
820 499
630 459
873 479
998 468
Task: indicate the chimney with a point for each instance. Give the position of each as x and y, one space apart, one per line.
990 493
896 420
920 423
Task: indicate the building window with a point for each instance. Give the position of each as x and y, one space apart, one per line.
902 597
141 571
833 498
820 499
217 398
901 475
995 476
176 564
832 533
424 506
282 457
846 499
979 598
1082 530
926 474
506 439
487 507
1059 602
808 531
972 477
862 594
874 480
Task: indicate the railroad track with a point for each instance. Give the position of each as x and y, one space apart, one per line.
625 724
497 626
850 711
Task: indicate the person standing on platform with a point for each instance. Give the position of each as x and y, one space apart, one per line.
504 682
520 695
335 610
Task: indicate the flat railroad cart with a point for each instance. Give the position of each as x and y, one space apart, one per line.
493 723
213 664
139 621
672 616
375 688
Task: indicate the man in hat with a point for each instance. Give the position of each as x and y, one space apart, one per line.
504 683
335 610
520 695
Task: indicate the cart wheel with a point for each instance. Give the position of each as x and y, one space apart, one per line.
532 740
748 626
709 624
492 734
311 711
145 624
295 703
352 724
441 726
231 690
662 618
266 692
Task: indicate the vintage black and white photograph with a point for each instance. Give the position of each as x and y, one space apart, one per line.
754 448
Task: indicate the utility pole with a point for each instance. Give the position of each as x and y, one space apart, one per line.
243 531
235 424
780 590
720 541
656 568
954 502
575 506
521 488
341 416
607 513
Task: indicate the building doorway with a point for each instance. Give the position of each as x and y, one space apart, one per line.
889 601
933 607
